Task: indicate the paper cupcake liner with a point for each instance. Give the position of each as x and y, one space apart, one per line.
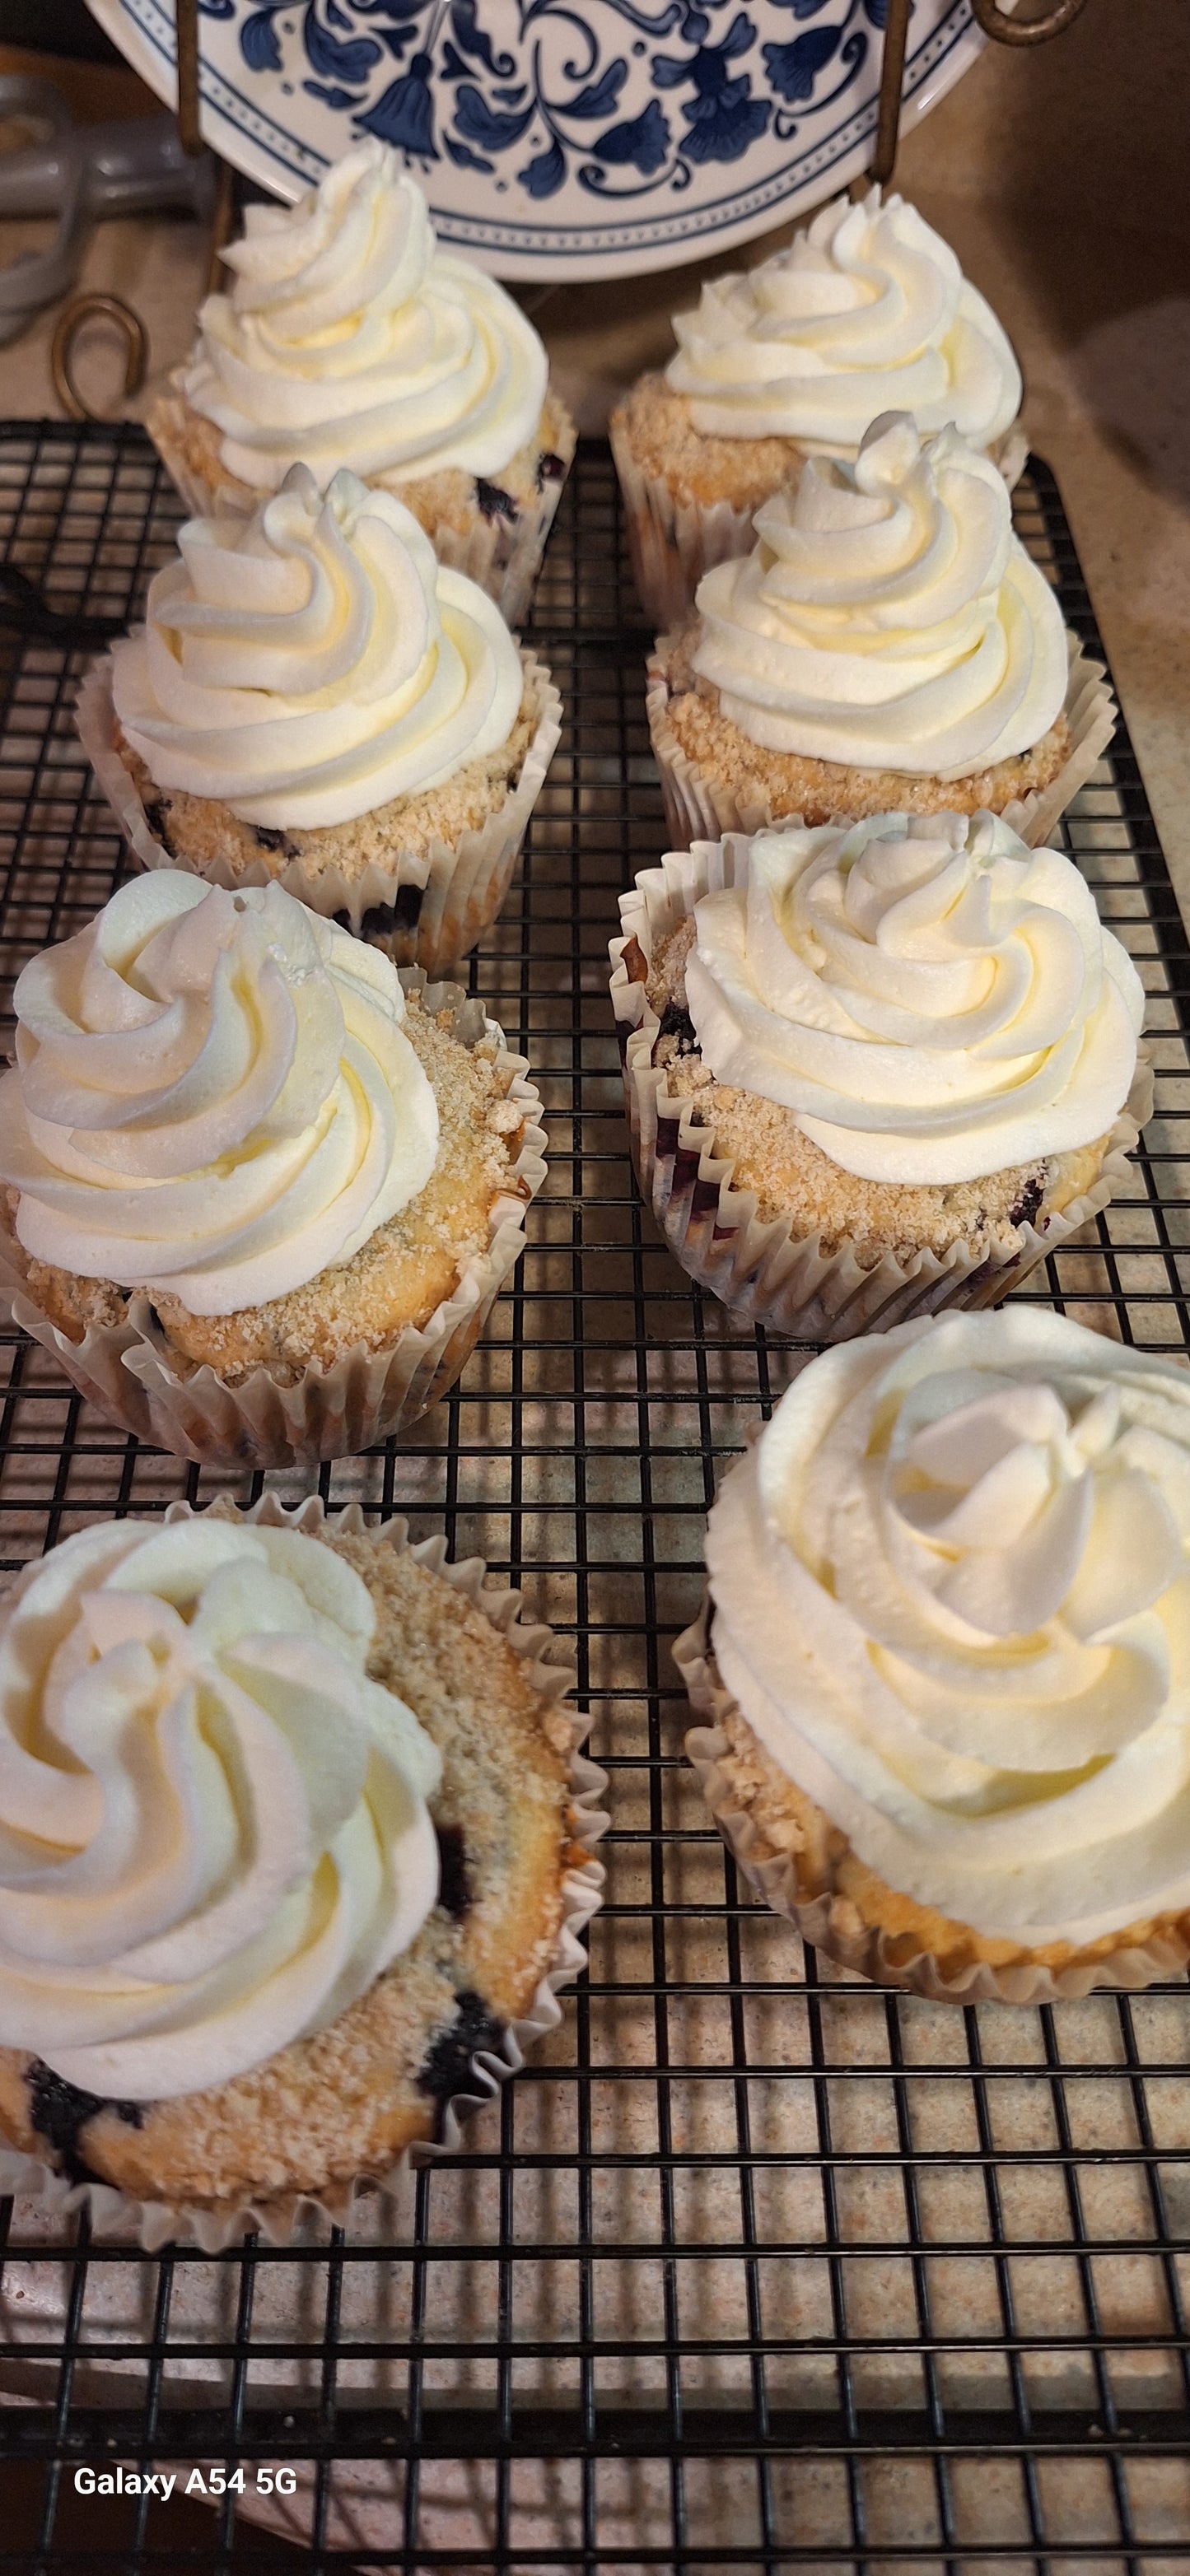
166 425
1011 453
699 806
505 556
552 1676
672 542
428 910
502 555
830 1921
129 1372
764 1271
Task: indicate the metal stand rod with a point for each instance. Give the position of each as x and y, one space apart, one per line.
1024 31
88 308
892 80
222 224
186 21
991 17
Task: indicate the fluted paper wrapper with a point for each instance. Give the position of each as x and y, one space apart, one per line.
462 884
505 557
699 806
502 555
1011 454
673 542
552 1676
129 1372
831 1922
764 1271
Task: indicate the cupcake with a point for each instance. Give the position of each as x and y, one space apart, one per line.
314 700
261 1190
945 1656
888 645
296 1846
349 338
867 311
874 1071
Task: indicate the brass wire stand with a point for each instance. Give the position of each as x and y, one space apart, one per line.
988 14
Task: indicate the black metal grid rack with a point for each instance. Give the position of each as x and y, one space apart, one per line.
753 2267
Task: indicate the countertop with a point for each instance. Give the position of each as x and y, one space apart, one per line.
1058 173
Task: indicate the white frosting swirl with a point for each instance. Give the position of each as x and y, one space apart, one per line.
888 618
308 664
349 338
213 1094
867 311
213 1828
952 1596
932 999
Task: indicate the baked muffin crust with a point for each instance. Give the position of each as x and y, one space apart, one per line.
787 1825
663 441
821 791
449 499
200 831
792 1177
398 1277
350 2098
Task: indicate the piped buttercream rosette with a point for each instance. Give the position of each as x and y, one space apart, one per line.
948 1593
885 984
932 1000
215 1097
300 670
315 661
886 620
232 1662
213 1093
888 617
866 311
349 339
215 1826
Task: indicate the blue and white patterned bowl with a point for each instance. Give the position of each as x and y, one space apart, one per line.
559 138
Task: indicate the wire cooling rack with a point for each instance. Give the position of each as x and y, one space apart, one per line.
753 2267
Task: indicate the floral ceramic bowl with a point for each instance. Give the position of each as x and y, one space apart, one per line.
559 138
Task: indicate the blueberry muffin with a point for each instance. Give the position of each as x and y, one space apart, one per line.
283 1992
315 701
244 1162
940 1664
887 646
349 338
866 311
875 1067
